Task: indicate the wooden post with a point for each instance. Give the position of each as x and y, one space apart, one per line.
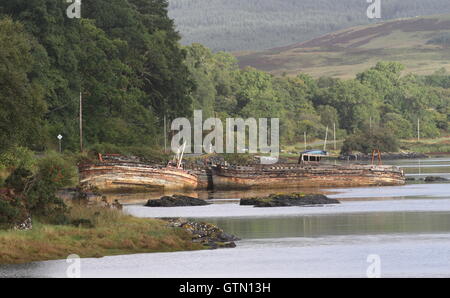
81 122
334 135
181 156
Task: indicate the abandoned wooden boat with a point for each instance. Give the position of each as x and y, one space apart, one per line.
297 175
114 176
307 173
114 173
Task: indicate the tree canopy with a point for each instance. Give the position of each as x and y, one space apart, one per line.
125 58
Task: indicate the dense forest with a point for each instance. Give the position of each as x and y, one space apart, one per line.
237 25
125 58
381 99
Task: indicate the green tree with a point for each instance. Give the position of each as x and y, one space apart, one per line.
21 97
366 141
398 125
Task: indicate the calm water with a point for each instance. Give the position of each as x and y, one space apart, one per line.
408 227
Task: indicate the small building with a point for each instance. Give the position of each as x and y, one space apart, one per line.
312 156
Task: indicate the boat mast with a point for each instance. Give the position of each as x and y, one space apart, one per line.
325 142
181 155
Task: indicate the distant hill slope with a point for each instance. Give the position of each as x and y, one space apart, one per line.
422 44
240 25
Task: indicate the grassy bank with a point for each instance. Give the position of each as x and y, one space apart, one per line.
428 146
103 232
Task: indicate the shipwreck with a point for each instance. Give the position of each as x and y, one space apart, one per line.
114 173
308 172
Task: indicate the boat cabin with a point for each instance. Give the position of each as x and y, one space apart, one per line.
312 156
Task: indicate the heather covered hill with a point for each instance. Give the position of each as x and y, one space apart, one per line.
238 25
420 43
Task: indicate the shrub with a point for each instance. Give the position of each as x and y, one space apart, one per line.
38 190
148 154
366 141
17 157
18 179
12 211
238 158
53 173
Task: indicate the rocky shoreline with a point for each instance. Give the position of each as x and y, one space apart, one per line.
288 200
384 156
429 179
209 235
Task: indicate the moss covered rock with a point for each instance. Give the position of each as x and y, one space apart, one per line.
286 200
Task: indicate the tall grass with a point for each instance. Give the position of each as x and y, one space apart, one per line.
112 233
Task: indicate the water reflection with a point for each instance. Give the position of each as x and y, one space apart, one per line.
341 224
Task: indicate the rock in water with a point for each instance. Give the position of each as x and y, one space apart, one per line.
435 179
282 200
207 234
176 201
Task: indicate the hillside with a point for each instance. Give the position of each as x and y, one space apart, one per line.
241 25
421 43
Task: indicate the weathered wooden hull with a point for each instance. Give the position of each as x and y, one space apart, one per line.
109 177
285 176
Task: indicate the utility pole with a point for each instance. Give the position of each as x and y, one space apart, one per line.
325 142
81 122
165 134
304 137
418 129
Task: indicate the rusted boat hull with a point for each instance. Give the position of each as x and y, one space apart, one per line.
285 176
117 177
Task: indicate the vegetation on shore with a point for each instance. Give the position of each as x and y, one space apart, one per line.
125 57
436 146
102 232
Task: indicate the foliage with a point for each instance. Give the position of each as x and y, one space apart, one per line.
123 56
12 211
367 141
53 173
114 233
149 154
17 157
21 98
37 191
238 159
